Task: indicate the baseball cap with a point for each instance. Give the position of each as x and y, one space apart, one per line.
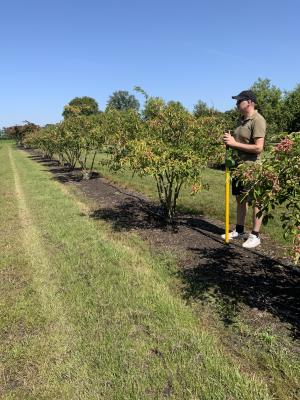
246 95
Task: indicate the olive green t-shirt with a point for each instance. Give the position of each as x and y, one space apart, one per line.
246 132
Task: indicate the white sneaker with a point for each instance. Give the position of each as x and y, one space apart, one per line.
252 241
234 235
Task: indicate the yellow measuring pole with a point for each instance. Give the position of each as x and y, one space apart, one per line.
227 191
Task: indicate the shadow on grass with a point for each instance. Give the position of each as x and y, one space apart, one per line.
233 276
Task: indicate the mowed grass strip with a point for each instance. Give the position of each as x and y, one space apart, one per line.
84 316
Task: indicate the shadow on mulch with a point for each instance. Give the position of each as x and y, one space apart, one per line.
130 215
139 214
62 174
45 161
200 225
230 274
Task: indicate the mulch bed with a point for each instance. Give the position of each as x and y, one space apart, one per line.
262 280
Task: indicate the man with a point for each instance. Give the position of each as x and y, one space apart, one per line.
248 141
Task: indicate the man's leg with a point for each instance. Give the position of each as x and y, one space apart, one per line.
256 221
254 239
241 211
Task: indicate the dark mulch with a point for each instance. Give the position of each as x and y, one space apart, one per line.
259 280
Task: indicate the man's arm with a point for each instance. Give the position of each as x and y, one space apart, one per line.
255 148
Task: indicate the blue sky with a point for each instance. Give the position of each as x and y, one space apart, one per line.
53 51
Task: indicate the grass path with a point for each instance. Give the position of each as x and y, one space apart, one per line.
61 339
87 315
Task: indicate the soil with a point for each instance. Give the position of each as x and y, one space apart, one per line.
262 283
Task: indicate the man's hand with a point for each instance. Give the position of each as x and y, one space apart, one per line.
229 140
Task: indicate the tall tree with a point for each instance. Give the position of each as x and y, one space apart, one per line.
291 110
269 99
121 100
201 109
81 106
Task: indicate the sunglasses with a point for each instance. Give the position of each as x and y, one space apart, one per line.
240 101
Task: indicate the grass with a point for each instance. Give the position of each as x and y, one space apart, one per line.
208 202
87 314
